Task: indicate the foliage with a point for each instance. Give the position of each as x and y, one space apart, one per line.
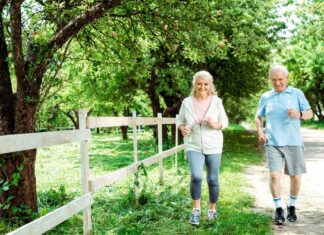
313 124
304 53
154 56
5 185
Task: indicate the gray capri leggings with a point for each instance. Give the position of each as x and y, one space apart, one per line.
196 163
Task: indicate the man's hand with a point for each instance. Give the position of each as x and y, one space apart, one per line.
258 123
262 139
293 113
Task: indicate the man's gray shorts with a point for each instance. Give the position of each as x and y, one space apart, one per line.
292 156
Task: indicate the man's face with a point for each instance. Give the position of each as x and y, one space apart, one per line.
279 81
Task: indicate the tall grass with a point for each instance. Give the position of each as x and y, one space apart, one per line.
162 209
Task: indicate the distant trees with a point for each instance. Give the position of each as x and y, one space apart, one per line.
304 54
159 53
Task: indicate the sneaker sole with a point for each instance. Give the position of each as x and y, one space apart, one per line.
280 222
193 223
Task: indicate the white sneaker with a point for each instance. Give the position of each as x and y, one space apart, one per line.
211 214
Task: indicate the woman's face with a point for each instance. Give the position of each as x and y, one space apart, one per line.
202 87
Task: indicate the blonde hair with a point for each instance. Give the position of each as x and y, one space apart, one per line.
206 76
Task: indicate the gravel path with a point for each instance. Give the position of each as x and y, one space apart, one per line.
310 203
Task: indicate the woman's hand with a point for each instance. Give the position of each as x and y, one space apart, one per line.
216 125
185 131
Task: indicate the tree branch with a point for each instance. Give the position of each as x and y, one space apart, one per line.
6 93
17 51
52 84
74 26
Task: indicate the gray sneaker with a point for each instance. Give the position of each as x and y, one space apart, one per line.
195 217
212 215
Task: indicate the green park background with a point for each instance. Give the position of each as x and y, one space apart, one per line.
114 57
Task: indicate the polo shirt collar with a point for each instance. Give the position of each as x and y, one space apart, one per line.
287 90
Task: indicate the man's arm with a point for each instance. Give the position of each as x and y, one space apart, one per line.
307 114
259 127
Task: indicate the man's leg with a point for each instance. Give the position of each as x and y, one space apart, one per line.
295 183
275 160
275 187
294 167
275 184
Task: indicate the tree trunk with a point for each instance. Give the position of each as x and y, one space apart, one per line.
24 194
18 114
173 104
74 117
155 99
319 112
25 198
124 132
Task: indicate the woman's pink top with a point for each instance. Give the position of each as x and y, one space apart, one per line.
200 107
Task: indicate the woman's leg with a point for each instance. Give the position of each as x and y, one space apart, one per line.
212 164
196 163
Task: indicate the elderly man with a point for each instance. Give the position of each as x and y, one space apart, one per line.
283 107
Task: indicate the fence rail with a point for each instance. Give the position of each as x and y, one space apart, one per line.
95 122
122 173
55 217
20 142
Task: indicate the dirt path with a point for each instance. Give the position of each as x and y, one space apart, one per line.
310 203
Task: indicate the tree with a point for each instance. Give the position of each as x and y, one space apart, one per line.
31 44
304 52
231 39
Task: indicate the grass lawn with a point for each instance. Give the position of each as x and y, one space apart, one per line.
162 209
313 124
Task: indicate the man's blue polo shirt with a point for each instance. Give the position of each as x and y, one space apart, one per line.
282 130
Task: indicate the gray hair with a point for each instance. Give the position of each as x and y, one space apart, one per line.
278 68
206 76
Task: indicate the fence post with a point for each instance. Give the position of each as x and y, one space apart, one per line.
84 155
176 144
137 191
160 147
135 137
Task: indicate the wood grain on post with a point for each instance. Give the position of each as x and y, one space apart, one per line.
84 154
160 147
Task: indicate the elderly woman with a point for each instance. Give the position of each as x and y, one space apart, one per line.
201 120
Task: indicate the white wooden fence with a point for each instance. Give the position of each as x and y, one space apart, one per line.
20 142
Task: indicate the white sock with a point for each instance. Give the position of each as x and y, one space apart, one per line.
277 201
292 200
